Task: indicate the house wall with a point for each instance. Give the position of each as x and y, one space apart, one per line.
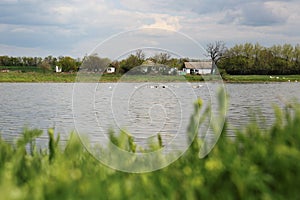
111 70
197 71
58 69
186 70
204 71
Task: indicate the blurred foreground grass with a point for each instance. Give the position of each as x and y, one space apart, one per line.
257 164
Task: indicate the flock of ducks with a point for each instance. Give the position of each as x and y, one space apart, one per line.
273 77
165 86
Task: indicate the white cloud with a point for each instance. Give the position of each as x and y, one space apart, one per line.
165 22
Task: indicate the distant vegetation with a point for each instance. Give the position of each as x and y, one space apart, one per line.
256 164
258 60
243 59
92 63
38 64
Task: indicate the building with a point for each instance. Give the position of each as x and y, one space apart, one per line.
202 67
110 70
58 69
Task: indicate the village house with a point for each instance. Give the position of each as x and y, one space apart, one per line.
110 70
58 69
202 67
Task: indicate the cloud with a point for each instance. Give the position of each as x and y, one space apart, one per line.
255 14
165 22
76 26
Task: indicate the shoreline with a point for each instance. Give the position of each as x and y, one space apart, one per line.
33 77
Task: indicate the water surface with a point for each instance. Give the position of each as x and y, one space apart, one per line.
143 110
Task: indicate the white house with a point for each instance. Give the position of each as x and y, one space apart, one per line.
202 67
110 70
58 69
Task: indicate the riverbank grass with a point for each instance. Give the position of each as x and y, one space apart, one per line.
30 77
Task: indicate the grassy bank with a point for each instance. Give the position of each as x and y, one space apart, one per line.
37 77
256 165
71 77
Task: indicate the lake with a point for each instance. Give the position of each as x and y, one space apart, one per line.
142 109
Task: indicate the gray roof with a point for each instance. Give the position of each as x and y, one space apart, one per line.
198 65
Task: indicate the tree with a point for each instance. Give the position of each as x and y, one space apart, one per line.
4 61
51 60
130 62
140 54
67 64
276 50
95 64
215 51
287 51
45 66
297 53
248 50
161 58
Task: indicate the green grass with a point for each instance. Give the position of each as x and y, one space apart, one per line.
80 77
37 76
257 164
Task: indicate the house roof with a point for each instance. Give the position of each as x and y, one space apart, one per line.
148 63
198 65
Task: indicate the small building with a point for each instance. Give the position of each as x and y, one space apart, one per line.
202 67
58 69
5 70
110 70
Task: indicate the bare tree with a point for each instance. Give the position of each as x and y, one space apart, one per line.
140 54
215 51
95 64
161 58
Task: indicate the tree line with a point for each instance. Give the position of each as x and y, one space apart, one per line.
254 59
47 63
241 59
92 63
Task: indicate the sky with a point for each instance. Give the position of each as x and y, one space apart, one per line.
112 28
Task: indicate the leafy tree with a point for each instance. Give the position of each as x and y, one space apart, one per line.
248 50
257 50
256 59
132 61
52 61
296 55
276 50
4 61
287 51
67 64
